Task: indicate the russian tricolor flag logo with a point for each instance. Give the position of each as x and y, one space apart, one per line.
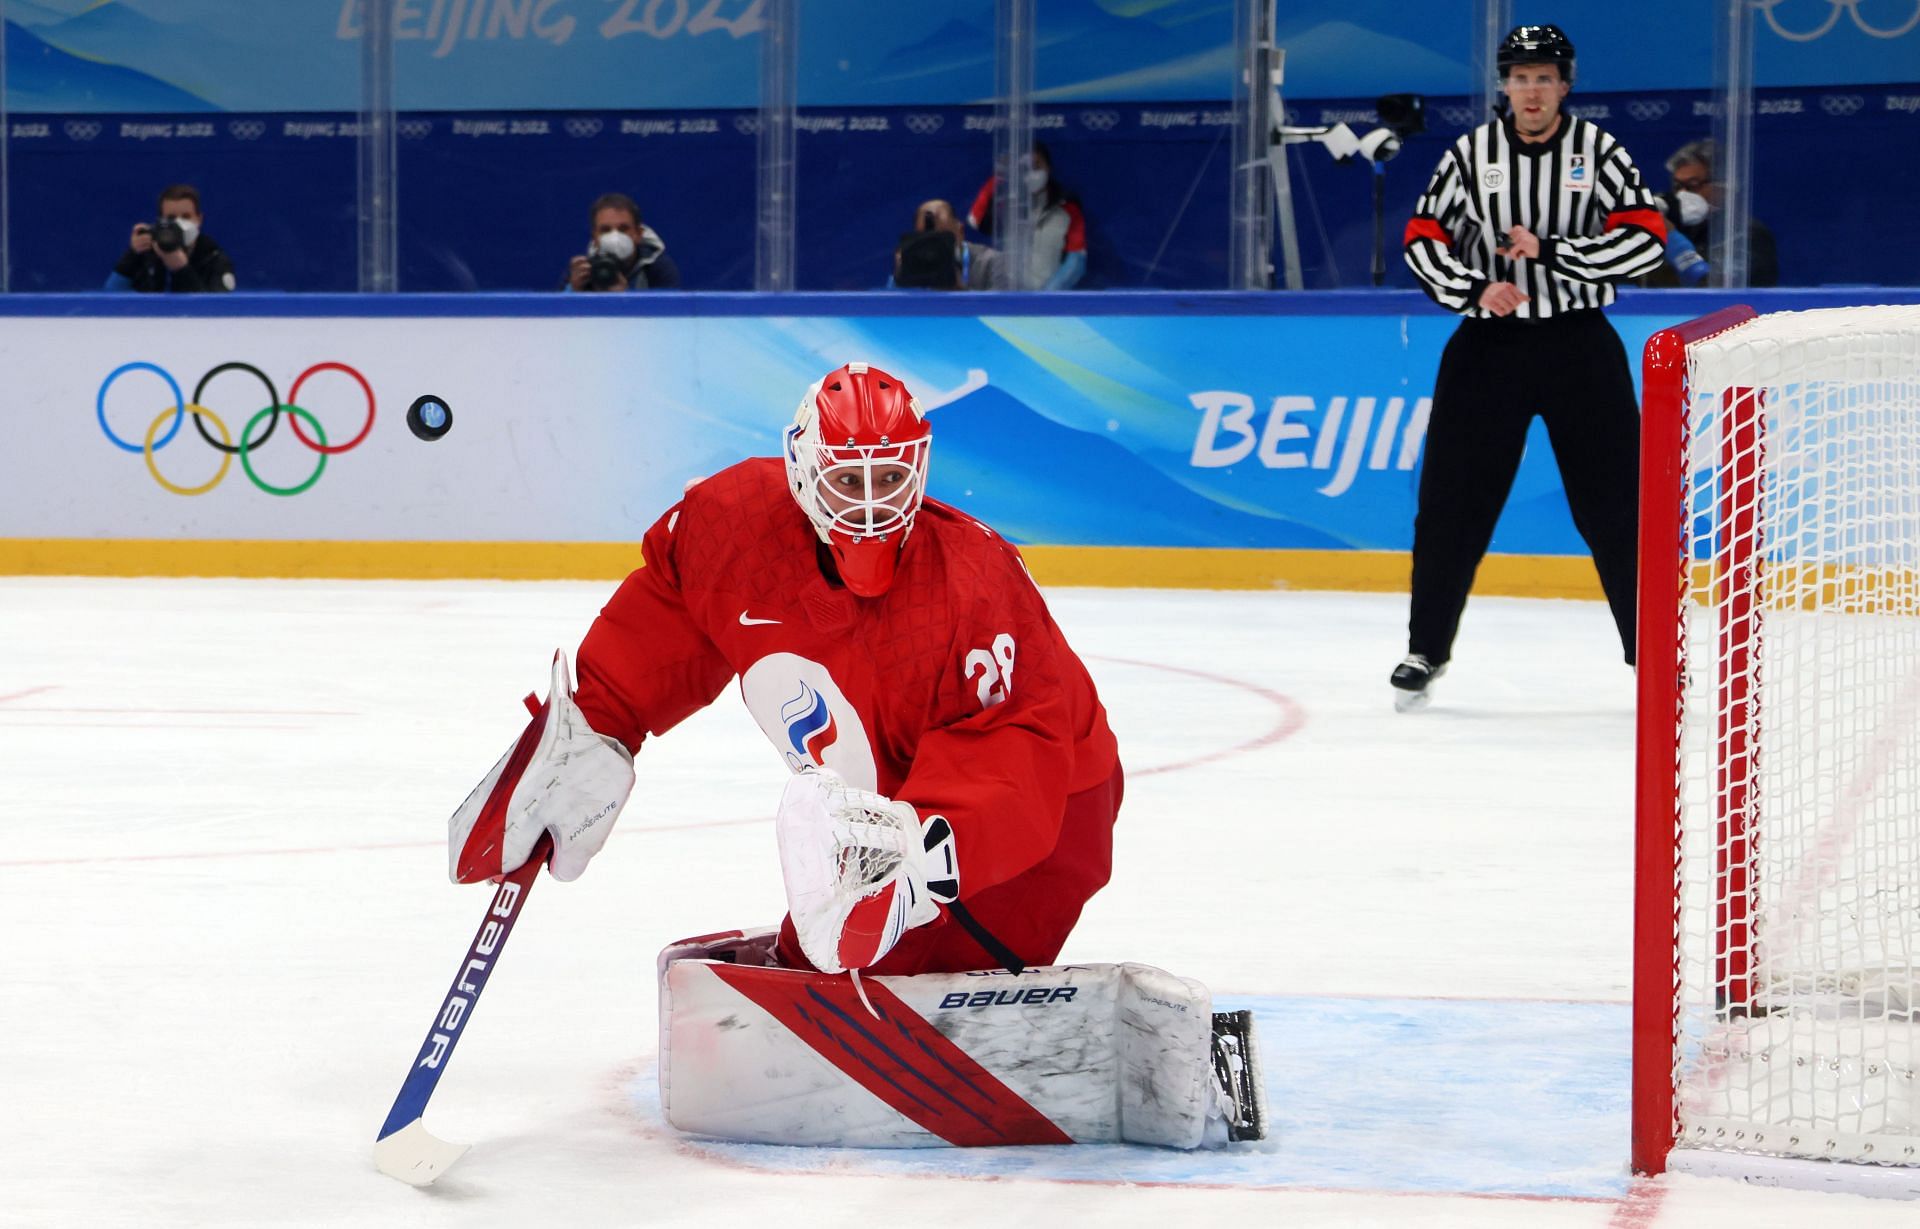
810 728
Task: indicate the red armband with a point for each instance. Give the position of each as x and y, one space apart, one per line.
1425 228
1649 220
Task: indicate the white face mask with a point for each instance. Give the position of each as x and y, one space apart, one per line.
617 244
1036 180
189 230
1692 205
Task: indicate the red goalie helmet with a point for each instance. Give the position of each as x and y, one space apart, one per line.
857 465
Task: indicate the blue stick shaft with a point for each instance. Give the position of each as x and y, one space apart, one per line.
457 1008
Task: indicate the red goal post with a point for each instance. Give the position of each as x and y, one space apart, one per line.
1659 657
1777 841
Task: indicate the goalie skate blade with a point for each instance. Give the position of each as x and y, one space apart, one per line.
1236 1068
415 1157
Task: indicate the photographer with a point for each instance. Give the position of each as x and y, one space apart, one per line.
623 253
935 255
173 254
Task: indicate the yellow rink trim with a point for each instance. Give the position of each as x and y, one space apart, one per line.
318 559
1169 567
1840 588
1148 567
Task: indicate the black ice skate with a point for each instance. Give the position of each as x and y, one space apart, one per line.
1236 1071
1410 680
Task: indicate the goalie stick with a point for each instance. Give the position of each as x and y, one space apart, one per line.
404 1149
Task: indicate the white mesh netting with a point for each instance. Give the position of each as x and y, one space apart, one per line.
1798 739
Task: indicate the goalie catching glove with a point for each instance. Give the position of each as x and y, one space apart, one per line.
861 869
560 776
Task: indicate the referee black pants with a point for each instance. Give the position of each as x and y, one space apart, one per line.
1495 375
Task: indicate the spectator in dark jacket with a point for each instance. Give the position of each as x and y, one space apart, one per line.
1691 170
173 254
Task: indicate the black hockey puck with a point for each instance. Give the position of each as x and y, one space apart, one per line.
429 417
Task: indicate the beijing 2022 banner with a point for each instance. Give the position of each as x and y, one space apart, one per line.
246 56
1264 432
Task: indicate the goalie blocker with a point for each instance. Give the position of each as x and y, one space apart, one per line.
1058 1055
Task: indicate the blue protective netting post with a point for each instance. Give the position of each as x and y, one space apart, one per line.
1491 21
1733 142
6 179
376 172
1013 137
775 213
1251 209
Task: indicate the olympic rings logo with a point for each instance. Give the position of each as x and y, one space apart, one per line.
1834 9
248 442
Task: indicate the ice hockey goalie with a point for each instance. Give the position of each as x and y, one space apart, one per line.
949 811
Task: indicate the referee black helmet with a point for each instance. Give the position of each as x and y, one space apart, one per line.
1536 45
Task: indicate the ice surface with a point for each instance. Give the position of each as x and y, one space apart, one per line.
225 921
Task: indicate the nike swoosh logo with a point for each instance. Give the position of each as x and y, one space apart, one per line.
746 622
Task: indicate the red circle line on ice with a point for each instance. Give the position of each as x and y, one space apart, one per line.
1288 719
179 408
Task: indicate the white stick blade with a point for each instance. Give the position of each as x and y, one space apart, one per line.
415 1157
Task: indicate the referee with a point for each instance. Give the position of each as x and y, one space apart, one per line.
1527 224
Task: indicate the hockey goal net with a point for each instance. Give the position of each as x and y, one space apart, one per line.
1777 917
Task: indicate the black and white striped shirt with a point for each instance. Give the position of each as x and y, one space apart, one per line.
1577 190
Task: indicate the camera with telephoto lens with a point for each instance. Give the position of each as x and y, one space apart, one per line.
604 270
167 235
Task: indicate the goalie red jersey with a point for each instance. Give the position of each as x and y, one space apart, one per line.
951 690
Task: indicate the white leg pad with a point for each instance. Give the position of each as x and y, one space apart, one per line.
1064 1054
1165 1039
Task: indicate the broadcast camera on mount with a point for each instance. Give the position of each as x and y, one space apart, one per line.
1401 116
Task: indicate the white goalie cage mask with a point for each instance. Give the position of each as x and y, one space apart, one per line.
856 458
